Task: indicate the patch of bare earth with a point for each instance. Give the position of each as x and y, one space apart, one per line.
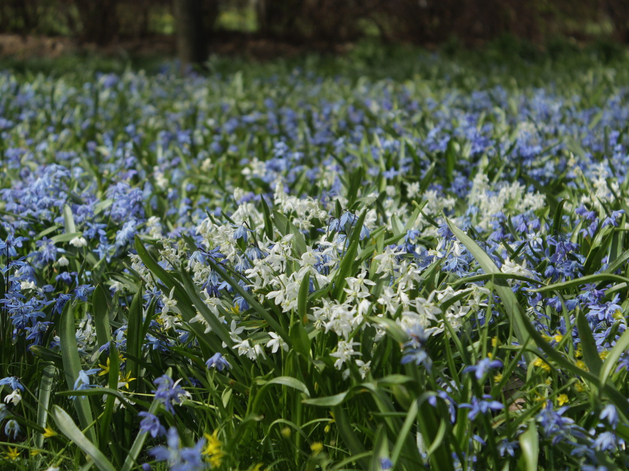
224 44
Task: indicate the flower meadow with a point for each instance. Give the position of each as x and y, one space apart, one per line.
289 269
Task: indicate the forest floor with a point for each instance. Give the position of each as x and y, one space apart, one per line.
18 47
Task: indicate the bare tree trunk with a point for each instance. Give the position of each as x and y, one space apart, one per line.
618 11
191 34
99 20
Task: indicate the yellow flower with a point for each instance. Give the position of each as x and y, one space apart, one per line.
603 354
498 378
542 364
124 380
495 341
286 432
35 452
13 454
581 364
558 338
328 427
235 309
213 449
316 447
105 368
48 432
579 352
549 381
562 399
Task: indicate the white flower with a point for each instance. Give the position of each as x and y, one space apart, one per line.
26 285
363 368
344 351
276 343
288 293
63 261
79 242
169 304
389 300
15 397
513 268
358 287
412 189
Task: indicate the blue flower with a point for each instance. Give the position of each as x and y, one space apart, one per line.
83 380
150 424
481 406
180 459
218 362
611 414
606 441
13 382
12 428
482 367
415 349
505 447
169 392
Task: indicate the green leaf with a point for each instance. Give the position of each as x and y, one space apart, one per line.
582 281
184 303
285 381
622 344
495 276
380 448
411 417
392 328
347 434
268 225
297 332
138 444
65 237
104 392
590 352
135 340
72 366
618 262
47 354
67 426
348 258
101 306
513 309
262 312
43 399
557 219
328 401
105 419
529 443
68 219
438 440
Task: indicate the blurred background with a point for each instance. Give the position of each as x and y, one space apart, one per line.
193 29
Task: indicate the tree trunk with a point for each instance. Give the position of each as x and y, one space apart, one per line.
191 35
99 20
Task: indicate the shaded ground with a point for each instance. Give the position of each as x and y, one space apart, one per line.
16 47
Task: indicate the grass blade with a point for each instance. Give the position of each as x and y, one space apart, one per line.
502 287
45 387
529 443
101 306
72 366
69 429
